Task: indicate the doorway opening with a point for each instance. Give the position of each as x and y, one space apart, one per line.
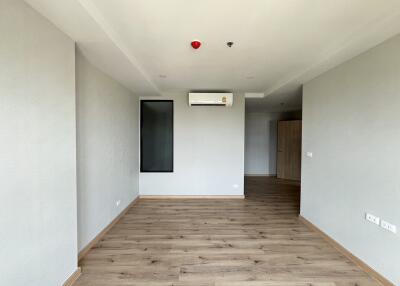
273 153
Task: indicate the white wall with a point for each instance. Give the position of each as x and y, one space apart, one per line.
108 148
351 122
261 141
208 151
37 150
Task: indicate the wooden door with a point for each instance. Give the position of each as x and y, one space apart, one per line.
289 150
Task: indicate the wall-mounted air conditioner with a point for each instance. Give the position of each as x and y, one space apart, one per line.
210 99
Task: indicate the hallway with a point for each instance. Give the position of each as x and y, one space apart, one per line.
206 242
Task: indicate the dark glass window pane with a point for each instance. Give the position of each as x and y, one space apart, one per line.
156 148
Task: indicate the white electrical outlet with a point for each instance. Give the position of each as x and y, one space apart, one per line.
118 203
372 218
388 226
309 154
235 186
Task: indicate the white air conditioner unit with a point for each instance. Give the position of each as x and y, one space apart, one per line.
210 99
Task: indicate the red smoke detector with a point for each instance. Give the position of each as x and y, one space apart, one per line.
195 44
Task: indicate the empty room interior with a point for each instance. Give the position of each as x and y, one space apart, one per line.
200 142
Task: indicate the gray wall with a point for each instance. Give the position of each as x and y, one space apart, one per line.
107 145
37 149
351 123
261 141
208 151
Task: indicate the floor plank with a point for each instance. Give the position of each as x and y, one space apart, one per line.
258 241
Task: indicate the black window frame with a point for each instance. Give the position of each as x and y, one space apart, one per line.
141 138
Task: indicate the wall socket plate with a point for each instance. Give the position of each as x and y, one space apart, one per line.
309 154
372 218
388 226
117 203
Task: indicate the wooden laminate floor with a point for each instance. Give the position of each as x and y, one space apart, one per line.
205 242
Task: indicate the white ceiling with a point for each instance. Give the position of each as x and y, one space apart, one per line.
145 44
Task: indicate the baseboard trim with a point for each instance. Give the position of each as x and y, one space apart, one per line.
260 175
91 244
191 197
72 279
365 267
